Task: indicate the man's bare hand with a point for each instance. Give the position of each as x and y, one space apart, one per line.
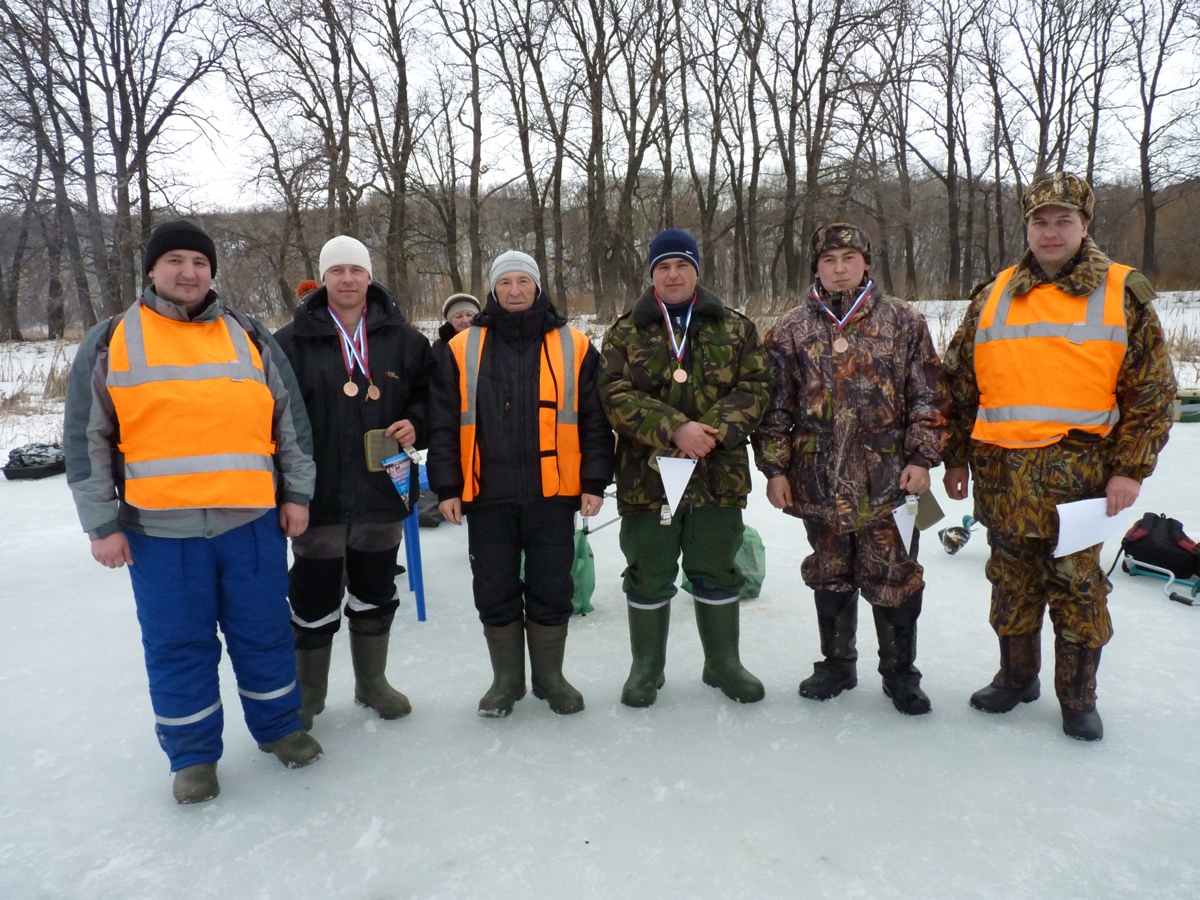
112 551
1122 493
293 519
695 439
956 481
403 431
589 504
452 510
779 492
914 479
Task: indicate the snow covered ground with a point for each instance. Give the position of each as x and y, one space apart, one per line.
694 797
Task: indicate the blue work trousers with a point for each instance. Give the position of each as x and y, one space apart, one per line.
184 589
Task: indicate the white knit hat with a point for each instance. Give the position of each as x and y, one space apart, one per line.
515 261
344 251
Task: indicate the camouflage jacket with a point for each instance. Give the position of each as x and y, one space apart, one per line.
842 426
1016 491
728 387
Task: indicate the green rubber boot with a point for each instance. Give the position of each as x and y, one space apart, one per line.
648 640
368 651
547 644
312 673
295 750
719 634
506 647
195 784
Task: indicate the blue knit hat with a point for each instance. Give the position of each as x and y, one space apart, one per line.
674 243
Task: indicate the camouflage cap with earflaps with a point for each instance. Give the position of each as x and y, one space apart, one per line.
1058 189
837 235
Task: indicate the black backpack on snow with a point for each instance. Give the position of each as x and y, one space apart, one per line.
1158 541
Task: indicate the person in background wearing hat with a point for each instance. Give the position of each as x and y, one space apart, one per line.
857 419
683 376
519 444
1062 390
364 373
458 311
189 459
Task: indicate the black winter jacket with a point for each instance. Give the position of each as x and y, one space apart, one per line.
507 412
402 366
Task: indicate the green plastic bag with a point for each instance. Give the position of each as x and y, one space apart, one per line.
750 561
583 573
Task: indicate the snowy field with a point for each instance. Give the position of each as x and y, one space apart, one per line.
696 797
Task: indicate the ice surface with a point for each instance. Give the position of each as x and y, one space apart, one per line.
695 797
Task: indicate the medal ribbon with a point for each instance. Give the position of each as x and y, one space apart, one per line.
354 349
841 323
677 348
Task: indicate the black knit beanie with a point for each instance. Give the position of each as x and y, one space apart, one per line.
180 235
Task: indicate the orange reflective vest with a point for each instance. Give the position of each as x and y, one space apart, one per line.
558 408
1047 363
194 411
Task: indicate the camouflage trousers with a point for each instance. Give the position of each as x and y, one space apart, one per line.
1026 578
872 560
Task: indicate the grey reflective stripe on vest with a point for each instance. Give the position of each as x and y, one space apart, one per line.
474 338
1048 414
269 695
189 720
568 415
1093 329
197 465
240 369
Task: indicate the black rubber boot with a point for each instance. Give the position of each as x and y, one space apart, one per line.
195 784
506 647
368 651
648 641
547 644
897 632
720 634
837 622
1075 669
312 673
1017 681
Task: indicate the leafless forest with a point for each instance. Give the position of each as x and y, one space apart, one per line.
443 131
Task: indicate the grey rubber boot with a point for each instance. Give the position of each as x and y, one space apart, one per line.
195 784
368 652
547 644
897 631
837 622
295 750
648 641
1017 680
720 634
312 674
506 647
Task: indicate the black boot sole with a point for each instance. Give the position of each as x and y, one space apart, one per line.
1006 704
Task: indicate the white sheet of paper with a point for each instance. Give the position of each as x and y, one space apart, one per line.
675 472
907 523
1085 523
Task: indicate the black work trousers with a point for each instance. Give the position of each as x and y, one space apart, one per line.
497 535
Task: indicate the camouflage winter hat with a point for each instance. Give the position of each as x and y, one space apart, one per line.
1058 189
836 236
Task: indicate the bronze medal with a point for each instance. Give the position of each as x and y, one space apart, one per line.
841 345
680 375
373 393
350 389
